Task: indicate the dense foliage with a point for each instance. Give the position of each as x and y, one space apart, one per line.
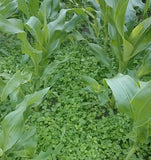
75 79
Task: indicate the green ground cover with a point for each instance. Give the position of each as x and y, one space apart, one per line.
71 120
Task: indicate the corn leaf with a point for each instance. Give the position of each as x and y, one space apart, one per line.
22 5
59 28
7 8
100 54
44 155
124 88
2 85
34 27
35 54
141 105
33 7
26 145
139 38
11 25
115 40
146 66
130 11
119 17
13 123
147 6
51 68
93 85
17 79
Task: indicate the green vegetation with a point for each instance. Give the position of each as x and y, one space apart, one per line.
62 94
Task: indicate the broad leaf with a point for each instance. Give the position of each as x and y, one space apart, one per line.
115 41
147 6
33 7
13 123
93 85
22 5
2 85
51 68
59 28
35 54
100 54
17 79
124 88
130 11
146 66
44 155
141 105
34 27
10 25
119 16
8 8
139 38
26 145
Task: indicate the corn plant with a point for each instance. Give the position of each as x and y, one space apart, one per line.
47 25
15 141
147 7
126 40
8 7
145 68
133 98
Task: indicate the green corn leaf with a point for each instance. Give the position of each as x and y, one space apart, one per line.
70 25
147 6
93 85
44 155
33 7
100 54
139 38
58 24
34 27
46 7
127 50
57 151
56 31
7 8
10 25
119 17
46 35
124 88
13 123
141 105
112 4
59 28
77 36
22 5
55 6
2 85
115 40
36 55
51 68
17 79
102 7
139 31
26 145
146 66
142 133
130 11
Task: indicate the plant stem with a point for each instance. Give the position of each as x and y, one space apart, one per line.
122 66
131 152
